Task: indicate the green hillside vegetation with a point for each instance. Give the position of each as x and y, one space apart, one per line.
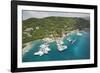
41 28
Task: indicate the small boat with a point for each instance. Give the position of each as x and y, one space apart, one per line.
73 41
79 34
61 47
40 53
69 39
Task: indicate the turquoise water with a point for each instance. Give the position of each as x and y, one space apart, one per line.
78 50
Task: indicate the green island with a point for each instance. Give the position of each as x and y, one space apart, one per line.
39 28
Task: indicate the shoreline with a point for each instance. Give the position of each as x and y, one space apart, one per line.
27 47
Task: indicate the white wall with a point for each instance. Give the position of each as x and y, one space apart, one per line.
5 36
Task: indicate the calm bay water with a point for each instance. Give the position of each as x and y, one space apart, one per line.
80 49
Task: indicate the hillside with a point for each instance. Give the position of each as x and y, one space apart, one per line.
33 28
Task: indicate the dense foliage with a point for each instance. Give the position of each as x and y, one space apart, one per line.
44 27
